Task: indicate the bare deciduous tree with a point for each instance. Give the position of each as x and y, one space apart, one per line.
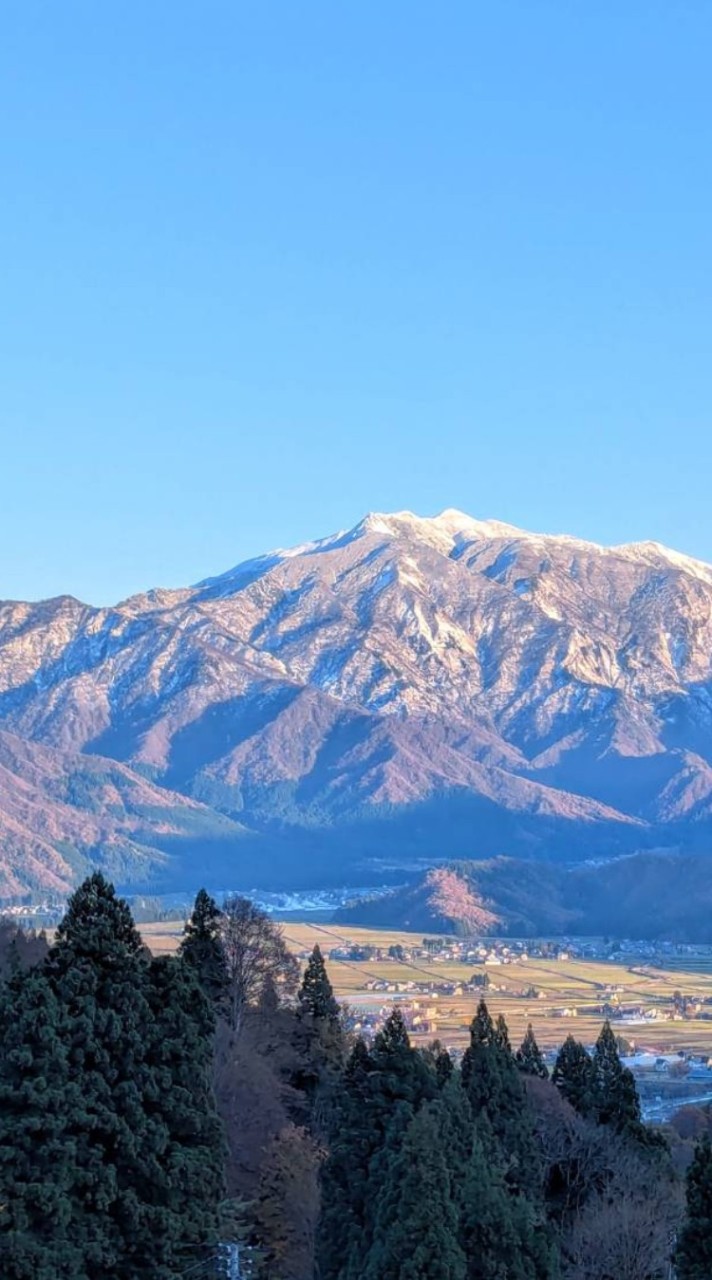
256 956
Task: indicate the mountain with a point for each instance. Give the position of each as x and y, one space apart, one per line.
644 895
409 690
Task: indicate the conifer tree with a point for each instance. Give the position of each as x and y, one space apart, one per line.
202 948
502 1234
319 1038
529 1057
693 1256
495 1091
39 1097
615 1093
417 1227
141 1138
501 1034
352 1141
183 1190
575 1077
380 1089
316 997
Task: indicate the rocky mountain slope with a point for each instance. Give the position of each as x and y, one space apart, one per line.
411 689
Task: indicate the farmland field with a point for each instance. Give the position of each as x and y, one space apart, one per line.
579 986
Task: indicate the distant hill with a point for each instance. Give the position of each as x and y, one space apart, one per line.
408 689
643 896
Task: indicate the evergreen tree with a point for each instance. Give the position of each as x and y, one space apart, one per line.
501 1034
575 1077
345 1172
182 1184
417 1227
316 997
502 1234
319 1038
380 1092
142 1136
615 1095
97 971
444 1066
39 1096
693 1256
202 949
495 1091
530 1059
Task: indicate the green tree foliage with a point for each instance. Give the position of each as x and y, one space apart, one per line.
495 1091
575 1077
416 1229
615 1093
39 1095
693 1256
114 1056
380 1092
183 1193
529 1057
319 1040
202 948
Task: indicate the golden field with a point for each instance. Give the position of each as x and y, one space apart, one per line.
577 985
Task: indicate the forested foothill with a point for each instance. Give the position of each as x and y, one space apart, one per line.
155 1109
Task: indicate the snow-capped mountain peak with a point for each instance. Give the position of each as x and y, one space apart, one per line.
549 691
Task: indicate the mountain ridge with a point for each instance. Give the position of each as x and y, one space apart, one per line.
412 684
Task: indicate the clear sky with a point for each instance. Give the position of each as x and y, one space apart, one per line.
267 265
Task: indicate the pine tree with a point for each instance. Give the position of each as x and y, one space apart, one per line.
380 1089
352 1142
529 1057
495 1091
142 1137
39 1096
416 1230
501 1034
183 1193
501 1233
319 1038
97 971
202 948
615 1093
316 997
693 1256
575 1077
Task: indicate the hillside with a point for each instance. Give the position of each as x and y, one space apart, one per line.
641 896
408 689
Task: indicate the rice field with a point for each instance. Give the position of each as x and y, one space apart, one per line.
577 986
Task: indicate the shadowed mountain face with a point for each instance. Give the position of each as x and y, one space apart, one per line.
411 689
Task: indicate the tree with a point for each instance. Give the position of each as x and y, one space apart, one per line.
144 1141
693 1256
575 1077
184 1193
287 1204
319 1038
255 954
39 1097
19 948
417 1226
202 948
316 994
615 1094
495 1091
529 1057
502 1235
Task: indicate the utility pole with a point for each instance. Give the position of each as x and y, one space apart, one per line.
230 1261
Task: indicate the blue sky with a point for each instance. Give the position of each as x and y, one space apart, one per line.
267 266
